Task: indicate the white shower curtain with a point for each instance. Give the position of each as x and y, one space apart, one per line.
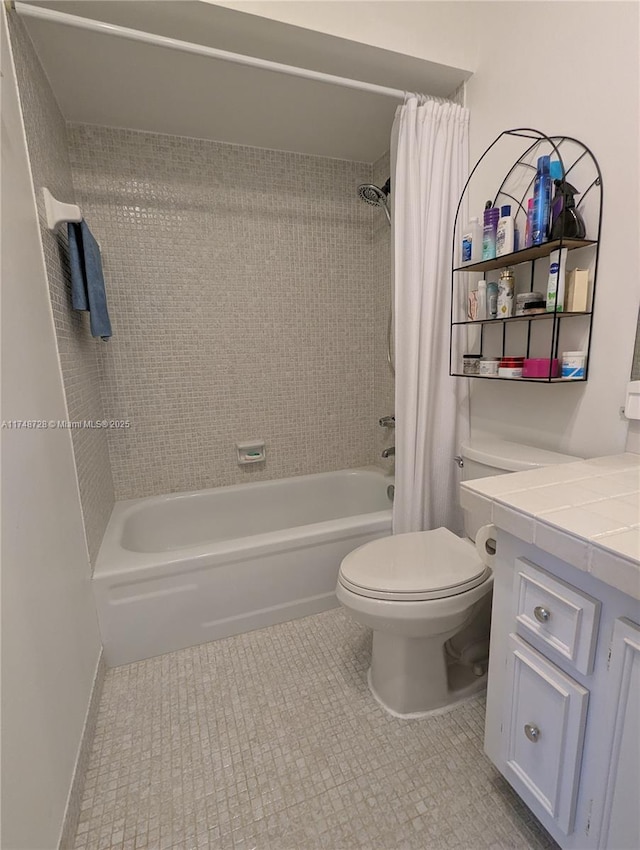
429 166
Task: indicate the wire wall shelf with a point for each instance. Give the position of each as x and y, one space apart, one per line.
539 335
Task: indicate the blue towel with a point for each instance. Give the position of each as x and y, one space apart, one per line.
87 280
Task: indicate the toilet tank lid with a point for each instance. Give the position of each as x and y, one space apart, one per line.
511 457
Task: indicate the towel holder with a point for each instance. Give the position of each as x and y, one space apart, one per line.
57 212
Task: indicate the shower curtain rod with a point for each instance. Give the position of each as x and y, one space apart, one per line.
200 49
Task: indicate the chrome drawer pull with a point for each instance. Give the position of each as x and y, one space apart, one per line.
541 614
532 732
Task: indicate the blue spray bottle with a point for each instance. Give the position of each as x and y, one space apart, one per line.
541 202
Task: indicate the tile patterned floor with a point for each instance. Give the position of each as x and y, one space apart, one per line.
271 740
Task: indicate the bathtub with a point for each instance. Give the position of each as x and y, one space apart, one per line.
182 569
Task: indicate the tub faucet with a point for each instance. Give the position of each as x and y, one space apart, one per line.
387 422
390 452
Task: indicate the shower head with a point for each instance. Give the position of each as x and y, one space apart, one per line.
375 196
372 194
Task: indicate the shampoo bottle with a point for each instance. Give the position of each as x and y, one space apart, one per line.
505 233
541 202
491 216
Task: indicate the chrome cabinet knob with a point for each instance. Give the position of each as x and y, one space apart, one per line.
541 614
532 732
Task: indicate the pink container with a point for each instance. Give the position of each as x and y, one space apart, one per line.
538 367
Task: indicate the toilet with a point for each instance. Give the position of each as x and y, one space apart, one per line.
427 597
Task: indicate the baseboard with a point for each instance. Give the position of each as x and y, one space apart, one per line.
74 800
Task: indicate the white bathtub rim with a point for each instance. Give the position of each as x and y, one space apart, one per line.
120 563
114 560
124 507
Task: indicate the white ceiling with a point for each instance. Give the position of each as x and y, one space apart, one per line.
103 79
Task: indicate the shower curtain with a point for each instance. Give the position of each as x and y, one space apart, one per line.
429 164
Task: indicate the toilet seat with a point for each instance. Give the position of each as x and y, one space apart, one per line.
413 567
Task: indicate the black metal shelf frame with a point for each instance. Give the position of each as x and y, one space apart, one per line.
536 317
522 380
524 255
552 144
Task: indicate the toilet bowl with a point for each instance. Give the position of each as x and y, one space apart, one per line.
427 597
416 591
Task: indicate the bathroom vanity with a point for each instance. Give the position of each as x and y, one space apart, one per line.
563 702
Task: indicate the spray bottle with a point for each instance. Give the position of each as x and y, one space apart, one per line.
541 202
566 220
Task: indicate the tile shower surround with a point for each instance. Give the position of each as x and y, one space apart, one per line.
248 292
48 154
271 740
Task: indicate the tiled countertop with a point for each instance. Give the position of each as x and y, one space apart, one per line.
586 513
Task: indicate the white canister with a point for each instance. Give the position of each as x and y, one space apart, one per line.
489 366
573 363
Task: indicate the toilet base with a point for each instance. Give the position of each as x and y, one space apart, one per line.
457 698
413 677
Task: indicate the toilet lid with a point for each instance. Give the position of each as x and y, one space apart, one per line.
412 567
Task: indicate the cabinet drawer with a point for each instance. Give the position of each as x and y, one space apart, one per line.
555 616
543 729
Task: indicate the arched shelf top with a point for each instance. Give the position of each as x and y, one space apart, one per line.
570 152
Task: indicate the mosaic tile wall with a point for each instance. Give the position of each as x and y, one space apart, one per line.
47 144
248 299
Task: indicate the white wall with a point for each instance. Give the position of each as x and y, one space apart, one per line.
565 68
586 86
50 640
438 31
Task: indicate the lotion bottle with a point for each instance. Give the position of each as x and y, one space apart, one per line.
555 286
505 234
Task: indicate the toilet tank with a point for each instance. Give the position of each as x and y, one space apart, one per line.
485 456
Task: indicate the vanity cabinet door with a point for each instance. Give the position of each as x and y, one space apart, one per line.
543 730
620 828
